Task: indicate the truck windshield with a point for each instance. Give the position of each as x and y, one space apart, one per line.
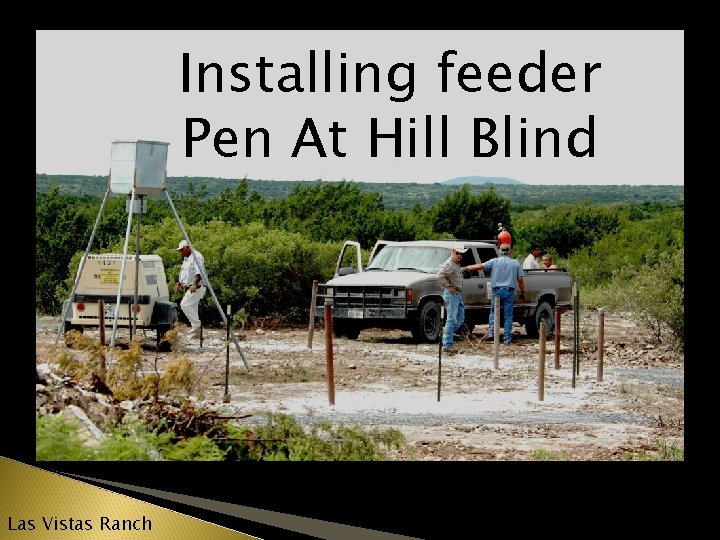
423 258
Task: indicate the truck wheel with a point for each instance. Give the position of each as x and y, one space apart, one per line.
427 328
345 328
544 313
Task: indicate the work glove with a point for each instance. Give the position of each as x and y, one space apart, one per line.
522 296
193 287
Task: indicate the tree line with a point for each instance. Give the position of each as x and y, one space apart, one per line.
395 195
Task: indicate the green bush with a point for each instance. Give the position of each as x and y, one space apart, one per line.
268 273
280 439
565 228
624 252
464 215
58 439
657 294
263 256
654 293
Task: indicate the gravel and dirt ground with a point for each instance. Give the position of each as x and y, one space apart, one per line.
459 407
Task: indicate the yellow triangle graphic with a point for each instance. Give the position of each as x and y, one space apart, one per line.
35 503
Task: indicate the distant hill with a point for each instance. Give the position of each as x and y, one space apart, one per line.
394 195
479 180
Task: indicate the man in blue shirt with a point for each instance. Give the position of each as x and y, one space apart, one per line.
506 276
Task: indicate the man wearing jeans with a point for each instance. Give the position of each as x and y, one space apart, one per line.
506 277
451 275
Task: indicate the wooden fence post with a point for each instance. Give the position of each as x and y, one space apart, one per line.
329 354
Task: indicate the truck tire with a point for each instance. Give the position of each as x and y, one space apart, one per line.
346 328
544 313
427 327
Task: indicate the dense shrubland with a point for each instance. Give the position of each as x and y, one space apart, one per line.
263 255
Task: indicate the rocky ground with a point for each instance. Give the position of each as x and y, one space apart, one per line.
473 405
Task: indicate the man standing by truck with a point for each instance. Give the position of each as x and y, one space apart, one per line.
191 281
452 285
506 276
531 260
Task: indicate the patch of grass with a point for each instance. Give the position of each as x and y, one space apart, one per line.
79 346
124 377
130 375
664 452
179 374
670 452
299 375
673 422
541 454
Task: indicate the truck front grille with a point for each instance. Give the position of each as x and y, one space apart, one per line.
363 301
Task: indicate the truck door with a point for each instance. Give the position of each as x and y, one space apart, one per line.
476 286
349 261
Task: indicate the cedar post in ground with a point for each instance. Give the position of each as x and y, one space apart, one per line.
101 308
442 329
541 363
329 353
601 344
496 330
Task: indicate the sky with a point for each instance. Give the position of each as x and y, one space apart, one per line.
448 103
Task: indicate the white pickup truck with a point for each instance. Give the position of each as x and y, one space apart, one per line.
399 289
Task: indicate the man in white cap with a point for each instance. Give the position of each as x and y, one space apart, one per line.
191 281
452 277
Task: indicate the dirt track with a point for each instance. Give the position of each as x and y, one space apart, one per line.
459 407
